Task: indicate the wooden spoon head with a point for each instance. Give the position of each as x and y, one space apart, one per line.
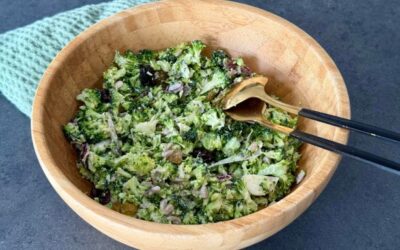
251 109
239 94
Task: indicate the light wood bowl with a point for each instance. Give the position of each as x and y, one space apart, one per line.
301 72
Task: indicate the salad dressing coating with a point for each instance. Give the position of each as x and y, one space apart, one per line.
156 145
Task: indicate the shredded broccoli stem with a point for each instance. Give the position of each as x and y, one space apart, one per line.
156 146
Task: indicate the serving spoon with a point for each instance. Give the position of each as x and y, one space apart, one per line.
247 102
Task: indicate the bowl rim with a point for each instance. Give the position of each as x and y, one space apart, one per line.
304 194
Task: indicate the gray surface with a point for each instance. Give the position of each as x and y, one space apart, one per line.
359 209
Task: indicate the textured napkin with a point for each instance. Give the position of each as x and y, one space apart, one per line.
26 52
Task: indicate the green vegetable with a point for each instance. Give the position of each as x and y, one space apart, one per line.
155 138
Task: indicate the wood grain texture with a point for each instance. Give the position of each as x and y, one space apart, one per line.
300 72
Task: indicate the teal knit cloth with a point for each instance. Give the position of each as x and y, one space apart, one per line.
26 52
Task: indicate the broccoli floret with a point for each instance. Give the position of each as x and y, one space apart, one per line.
143 165
213 119
139 164
122 124
112 75
162 65
147 128
133 187
94 126
146 56
286 177
129 61
191 135
281 117
190 218
196 48
218 80
72 131
168 55
276 155
239 61
218 58
247 205
259 185
156 138
231 146
211 141
96 161
188 55
90 97
214 206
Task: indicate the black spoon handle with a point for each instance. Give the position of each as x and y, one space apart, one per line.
349 124
345 150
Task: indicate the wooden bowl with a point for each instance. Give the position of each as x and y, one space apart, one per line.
301 73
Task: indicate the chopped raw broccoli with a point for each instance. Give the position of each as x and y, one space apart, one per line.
90 97
94 126
218 80
231 146
72 131
218 58
211 141
155 139
214 119
146 56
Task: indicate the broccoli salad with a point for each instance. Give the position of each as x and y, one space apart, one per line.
157 146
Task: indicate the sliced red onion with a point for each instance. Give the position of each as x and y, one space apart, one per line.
203 193
84 153
163 204
178 180
154 190
166 132
266 160
118 84
186 90
113 133
174 219
255 146
244 70
236 158
166 208
175 88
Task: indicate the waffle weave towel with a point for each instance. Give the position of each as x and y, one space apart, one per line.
26 52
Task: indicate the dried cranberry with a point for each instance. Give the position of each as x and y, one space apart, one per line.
207 156
147 75
245 71
105 95
224 177
230 65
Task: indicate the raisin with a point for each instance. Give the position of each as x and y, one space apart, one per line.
105 95
207 156
147 75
